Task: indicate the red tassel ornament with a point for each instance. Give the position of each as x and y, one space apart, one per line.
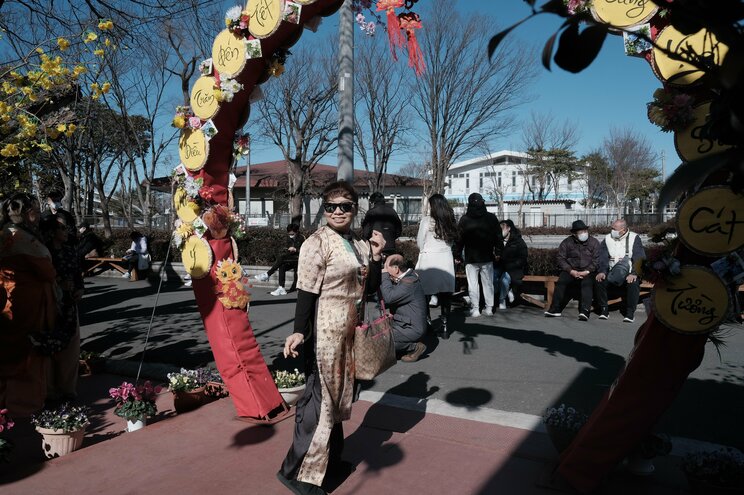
395 35
410 22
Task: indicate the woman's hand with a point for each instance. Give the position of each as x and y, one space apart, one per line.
378 244
290 345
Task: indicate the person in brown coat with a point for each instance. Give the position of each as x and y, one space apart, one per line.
578 259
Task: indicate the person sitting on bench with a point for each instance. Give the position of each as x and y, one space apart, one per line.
137 256
286 261
89 244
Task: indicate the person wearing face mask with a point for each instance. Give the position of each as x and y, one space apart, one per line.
511 261
620 247
578 259
286 261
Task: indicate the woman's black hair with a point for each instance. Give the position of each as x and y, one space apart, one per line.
340 188
15 206
445 227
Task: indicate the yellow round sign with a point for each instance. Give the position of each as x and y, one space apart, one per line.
696 301
707 221
703 43
228 53
197 257
203 102
186 209
305 2
623 14
266 15
689 142
193 149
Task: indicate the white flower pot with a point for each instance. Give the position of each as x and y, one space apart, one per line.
136 425
57 443
292 395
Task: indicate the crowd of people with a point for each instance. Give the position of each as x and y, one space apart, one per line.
41 283
338 269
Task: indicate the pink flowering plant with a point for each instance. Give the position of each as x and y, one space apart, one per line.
135 402
6 423
671 109
577 7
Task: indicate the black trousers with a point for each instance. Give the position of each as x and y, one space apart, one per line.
306 421
632 295
283 264
565 280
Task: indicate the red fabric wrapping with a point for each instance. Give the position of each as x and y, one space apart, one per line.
234 346
658 367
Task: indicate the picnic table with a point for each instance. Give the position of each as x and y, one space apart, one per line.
96 266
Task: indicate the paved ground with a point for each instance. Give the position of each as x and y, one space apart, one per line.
465 420
517 361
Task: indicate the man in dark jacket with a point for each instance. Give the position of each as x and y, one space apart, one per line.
578 259
479 233
286 261
401 290
89 245
384 218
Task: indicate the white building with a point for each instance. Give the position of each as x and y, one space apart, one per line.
504 177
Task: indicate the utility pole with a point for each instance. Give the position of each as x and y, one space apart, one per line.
248 183
346 94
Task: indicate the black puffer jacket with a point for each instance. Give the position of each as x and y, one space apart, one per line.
513 255
479 232
383 218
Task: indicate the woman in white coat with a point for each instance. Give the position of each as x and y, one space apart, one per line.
436 267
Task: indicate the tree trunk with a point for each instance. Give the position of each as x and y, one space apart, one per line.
295 182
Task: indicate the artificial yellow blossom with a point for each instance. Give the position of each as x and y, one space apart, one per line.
63 44
179 121
218 94
95 86
98 53
91 36
9 150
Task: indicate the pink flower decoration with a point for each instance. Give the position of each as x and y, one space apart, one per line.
195 122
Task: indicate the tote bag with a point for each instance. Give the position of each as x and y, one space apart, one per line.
374 347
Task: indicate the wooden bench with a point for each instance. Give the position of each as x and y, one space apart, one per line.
96 266
549 282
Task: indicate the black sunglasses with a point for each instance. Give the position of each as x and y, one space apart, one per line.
345 207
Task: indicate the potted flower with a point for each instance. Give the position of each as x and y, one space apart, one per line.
135 404
90 363
6 423
562 424
194 388
62 429
715 472
291 385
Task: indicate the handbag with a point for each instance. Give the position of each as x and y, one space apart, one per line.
621 269
374 347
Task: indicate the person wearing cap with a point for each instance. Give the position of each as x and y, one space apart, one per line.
479 234
578 259
511 261
624 247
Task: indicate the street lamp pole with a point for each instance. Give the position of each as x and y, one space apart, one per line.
346 96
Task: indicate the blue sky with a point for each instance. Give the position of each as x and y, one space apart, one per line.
612 92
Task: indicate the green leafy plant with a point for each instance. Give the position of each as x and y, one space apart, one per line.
565 418
723 467
66 418
288 379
